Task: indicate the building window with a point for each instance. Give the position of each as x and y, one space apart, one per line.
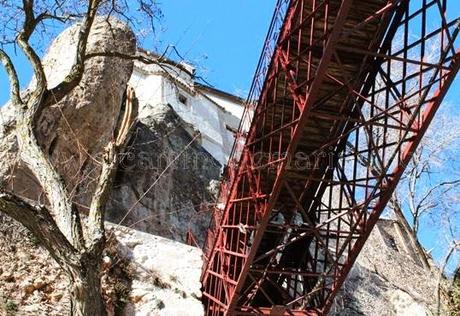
182 99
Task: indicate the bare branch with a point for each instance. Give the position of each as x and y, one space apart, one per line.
42 225
141 58
29 21
433 189
23 42
31 152
76 73
109 167
13 77
37 162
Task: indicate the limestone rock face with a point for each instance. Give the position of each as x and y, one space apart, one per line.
75 130
166 275
163 180
387 278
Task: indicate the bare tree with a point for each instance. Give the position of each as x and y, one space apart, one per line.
428 190
57 225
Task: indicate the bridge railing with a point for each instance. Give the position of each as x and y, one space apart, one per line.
250 105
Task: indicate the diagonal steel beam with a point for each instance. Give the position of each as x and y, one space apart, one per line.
310 100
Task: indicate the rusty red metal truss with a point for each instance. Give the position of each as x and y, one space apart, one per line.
342 96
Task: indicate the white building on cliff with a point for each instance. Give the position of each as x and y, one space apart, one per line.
213 113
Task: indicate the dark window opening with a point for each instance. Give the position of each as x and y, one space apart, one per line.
182 99
392 243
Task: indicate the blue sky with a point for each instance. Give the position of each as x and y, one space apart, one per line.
224 40
223 37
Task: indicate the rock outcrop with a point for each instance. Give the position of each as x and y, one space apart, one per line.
75 130
387 278
166 274
162 185
163 275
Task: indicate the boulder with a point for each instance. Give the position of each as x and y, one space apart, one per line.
162 184
75 130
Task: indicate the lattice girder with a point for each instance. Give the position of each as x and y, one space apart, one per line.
342 96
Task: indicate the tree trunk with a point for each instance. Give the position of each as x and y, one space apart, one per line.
86 298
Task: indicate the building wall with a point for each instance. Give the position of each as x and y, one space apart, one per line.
214 116
234 108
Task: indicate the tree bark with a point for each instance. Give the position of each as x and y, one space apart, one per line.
86 297
38 220
51 182
61 234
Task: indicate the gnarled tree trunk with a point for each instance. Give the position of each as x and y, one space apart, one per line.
86 298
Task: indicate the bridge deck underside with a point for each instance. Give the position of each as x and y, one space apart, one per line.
343 104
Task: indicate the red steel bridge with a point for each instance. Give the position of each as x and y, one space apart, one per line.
343 93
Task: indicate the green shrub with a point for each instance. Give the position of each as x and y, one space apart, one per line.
11 307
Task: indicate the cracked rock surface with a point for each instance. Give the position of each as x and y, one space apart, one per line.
75 130
162 186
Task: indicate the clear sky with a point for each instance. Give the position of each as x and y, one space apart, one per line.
224 39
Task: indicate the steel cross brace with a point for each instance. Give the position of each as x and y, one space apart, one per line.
309 101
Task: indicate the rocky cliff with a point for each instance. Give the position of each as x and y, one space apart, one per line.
162 188
387 278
